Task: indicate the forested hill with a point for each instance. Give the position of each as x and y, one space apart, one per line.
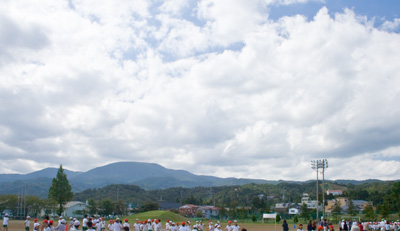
147 176
243 195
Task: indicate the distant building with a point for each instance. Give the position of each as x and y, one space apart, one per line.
188 210
334 192
74 209
209 211
294 211
311 204
359 205
285 207
167 205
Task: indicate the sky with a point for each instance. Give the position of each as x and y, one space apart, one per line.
228 88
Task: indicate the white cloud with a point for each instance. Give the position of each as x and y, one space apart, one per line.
391 25
139 81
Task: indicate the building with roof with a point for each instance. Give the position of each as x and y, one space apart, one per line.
311 204
359 205
209 211
188 210
74 209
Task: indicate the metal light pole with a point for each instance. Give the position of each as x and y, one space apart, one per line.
324 166
316 165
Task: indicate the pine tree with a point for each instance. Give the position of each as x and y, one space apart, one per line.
60 190
336 210
369 212
304 212
351 209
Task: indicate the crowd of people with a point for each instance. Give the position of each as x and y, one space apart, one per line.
99 224
346 225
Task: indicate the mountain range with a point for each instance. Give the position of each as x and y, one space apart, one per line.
148 176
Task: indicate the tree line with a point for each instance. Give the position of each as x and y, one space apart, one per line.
233 200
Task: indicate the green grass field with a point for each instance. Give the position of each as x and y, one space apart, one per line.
157 214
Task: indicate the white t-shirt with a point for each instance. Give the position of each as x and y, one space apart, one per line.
126 224
5 220
27 223
117 226
235 227
229 227
137 226
84 222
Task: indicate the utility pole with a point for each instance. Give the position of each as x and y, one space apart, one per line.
324 166
317 165
314 165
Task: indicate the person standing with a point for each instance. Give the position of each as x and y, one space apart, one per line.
285 225
27 223
50 225
36 225
228 226
355 227
183 227
110 225
5 222
46 225
61 225
157 225
173 227
309 226
76 225
84 223
345 226
200 226
126 225
235 226
117 225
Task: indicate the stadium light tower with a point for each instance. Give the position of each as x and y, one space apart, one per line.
314 165
317 165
